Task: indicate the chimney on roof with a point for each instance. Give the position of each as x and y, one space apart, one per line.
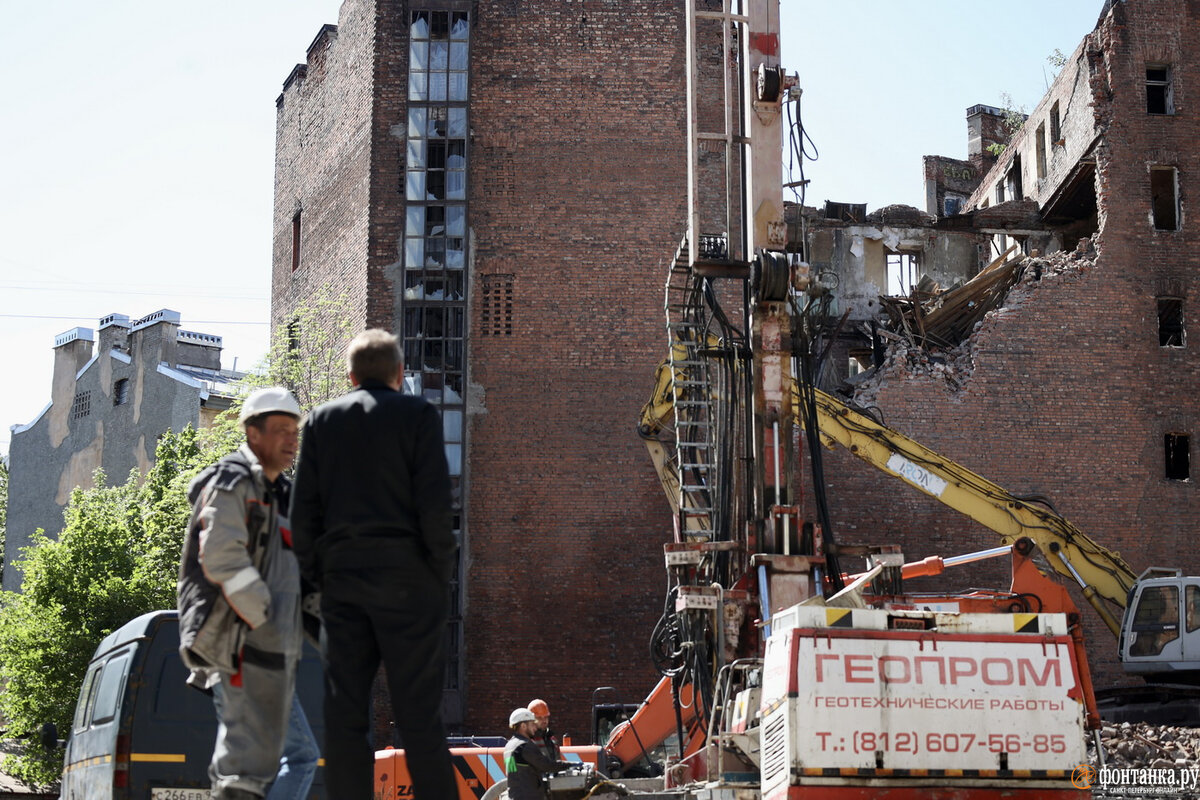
153 339
985 127
114 334
72 349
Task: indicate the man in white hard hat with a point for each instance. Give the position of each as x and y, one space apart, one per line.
239 607
524 762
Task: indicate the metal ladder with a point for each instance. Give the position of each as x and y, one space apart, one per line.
692 395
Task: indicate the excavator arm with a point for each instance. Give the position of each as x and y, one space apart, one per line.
1101 573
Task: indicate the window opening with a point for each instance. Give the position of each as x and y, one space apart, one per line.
296 241
1015 190
1164 194
1159 95
121 392
1056 137
434 300
1170 322
1000 192
1178 457
1192 604
902 272
952 204
1041 150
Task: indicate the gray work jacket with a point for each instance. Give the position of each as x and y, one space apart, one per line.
239 582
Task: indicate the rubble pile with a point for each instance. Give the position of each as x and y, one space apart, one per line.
928 333
1140 745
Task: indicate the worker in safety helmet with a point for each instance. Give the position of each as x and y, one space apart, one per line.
544 737
239 608
523 760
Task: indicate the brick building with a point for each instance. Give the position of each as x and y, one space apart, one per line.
1083 387
503 184
109 403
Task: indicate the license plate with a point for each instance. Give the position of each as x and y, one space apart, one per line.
162 793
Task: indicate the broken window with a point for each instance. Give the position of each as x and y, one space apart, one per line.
1164 192
953 204
434 302
121 392
1159 96
901 272
1040 144
1178 458
1013 180
1170 322
1000 192
1056 137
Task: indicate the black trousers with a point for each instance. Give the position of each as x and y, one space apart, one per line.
397 615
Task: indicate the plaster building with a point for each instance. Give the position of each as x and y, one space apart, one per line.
114 392
1083 385
494 182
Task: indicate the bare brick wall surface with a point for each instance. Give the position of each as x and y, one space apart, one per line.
577 190
322 170
1071 395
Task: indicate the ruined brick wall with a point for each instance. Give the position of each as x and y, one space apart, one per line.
1071 395
948 176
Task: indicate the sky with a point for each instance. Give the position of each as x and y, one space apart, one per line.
137 150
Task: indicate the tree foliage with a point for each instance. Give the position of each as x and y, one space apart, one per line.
307 353
1013 119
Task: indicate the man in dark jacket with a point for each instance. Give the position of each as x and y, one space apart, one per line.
372 525
524 761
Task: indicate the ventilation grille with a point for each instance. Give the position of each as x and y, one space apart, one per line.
497 319
774 749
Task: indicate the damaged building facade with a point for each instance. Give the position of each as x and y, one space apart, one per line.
114 391
1080 385
506 210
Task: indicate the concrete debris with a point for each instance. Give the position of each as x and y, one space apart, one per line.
1140 746
900 214
930 334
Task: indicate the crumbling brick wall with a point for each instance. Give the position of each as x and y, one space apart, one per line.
1070 395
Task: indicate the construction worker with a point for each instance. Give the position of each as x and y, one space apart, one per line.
239 608
544 737
524 761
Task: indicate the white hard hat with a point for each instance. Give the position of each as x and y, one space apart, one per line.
272 400
520 715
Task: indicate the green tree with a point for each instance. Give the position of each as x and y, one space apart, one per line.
307 352
1013 119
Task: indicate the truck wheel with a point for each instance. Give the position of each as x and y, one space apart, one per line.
496 791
